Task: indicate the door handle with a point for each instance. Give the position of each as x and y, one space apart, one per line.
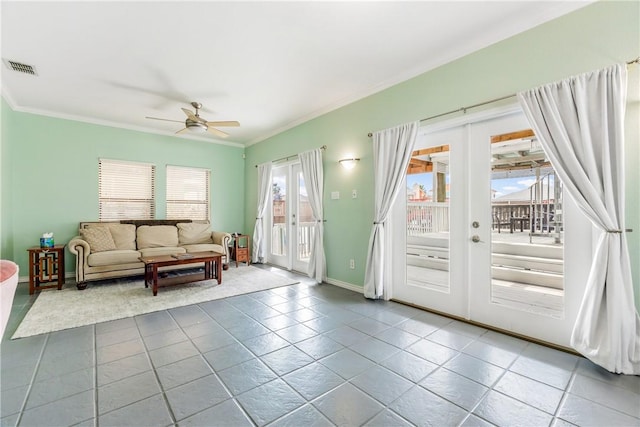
475 238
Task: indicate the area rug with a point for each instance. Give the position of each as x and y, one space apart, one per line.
119 298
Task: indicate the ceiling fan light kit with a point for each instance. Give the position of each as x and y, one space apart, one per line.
196 124
196 127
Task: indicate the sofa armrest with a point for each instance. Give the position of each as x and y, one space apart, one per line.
80 248
223 239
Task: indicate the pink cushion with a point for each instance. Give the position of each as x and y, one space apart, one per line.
7 269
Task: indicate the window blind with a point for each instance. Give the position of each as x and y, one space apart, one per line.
126 190
188 193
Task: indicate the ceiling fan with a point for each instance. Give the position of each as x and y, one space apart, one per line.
196 124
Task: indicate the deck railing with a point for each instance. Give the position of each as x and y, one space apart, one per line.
279 239
305 237
303 247
546 212
427 217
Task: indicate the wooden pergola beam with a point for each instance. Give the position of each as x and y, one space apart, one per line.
422 166
432 150
419 166
520 167
527 133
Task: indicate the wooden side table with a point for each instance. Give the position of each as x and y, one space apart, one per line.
46 268
242 249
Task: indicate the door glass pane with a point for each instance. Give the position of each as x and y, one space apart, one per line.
428 196
279 212
305 221
527 235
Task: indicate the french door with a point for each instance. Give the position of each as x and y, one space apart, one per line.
290 219
483 233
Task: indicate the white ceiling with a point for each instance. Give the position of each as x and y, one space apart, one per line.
269 65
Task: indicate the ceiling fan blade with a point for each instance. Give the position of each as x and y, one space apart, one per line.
217 132
181 131
166 120
231 123
190 114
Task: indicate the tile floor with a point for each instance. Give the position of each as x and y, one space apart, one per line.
302 355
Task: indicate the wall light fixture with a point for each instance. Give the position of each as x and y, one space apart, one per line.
349 163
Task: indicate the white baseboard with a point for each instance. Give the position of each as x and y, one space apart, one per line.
345 285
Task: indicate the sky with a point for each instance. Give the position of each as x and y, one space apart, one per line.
501 186
280 180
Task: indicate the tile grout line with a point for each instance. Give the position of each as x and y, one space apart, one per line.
565 392
492 388
95 375
146 352
31 382
213 371
575 374
278 377
163 392
386 407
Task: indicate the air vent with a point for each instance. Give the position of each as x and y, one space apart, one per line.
20 67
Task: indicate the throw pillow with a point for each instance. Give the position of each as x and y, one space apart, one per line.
124 236
99 239
193 233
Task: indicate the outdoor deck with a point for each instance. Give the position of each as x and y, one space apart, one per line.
527 271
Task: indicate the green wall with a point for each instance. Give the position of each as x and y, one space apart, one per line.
593 37
6 214
50 176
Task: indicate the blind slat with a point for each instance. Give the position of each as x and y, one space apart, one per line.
126 190
188 193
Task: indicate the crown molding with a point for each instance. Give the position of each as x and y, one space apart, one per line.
100 122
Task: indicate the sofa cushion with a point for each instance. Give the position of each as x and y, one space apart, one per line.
124 235
190 233
156 236
161 251
113 257
204 247
98 238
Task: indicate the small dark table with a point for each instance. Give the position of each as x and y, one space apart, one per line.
212 269
46 268
521 220
241 249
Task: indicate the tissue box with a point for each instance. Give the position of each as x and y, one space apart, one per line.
46 242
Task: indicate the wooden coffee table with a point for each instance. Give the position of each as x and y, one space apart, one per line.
212 268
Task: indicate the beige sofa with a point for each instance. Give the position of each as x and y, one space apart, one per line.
106 250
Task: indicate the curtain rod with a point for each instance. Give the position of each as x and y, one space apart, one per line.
464 109
324 147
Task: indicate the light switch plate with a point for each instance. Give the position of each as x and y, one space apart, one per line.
354 194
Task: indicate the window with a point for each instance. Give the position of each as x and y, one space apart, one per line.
187 193
126 190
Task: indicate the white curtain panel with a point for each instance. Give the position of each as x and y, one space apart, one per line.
264 191
392 149
312 171
580 124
